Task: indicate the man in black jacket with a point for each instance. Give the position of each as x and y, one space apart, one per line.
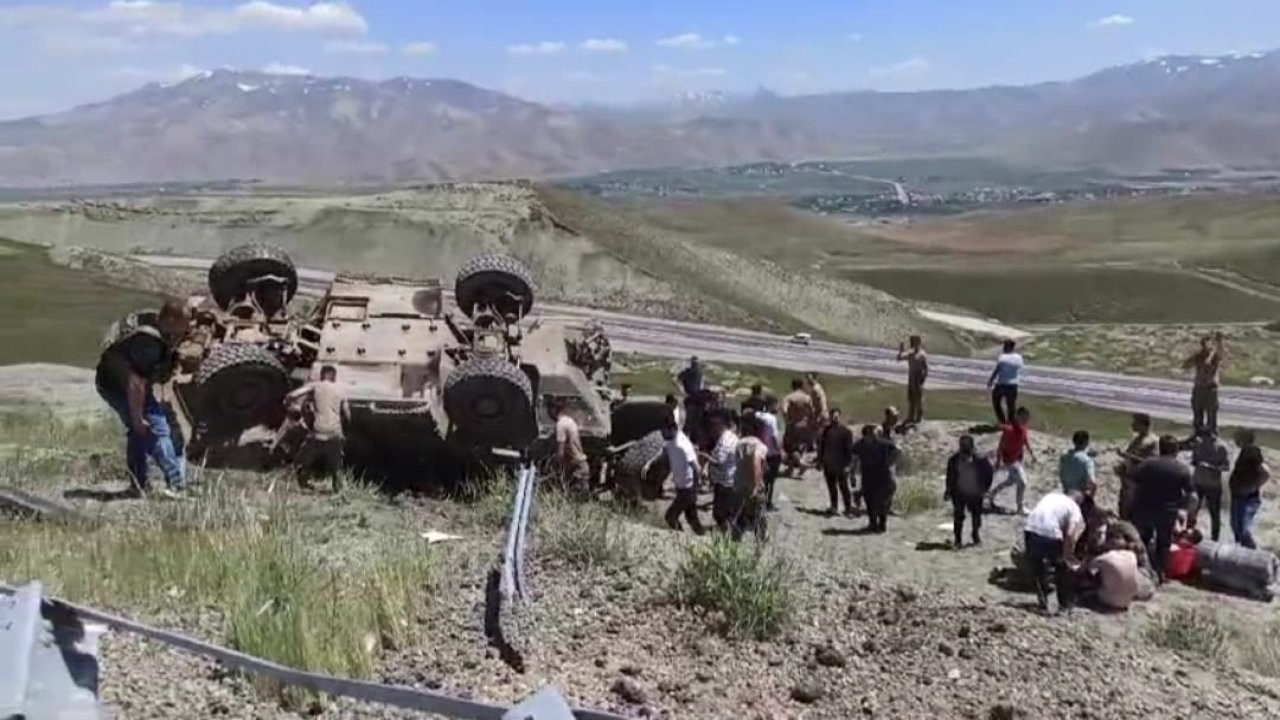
835 452
969 477
1162 487
138 356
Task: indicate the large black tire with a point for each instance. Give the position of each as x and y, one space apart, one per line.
229 274
241 386
490 404
634 419
643 467
494 279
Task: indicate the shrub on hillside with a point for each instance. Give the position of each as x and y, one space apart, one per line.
744 587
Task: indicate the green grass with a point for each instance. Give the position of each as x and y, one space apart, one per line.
745 588
863 401
1156 350
53 314
273 593
1218 637
582 535
1075 294
916 494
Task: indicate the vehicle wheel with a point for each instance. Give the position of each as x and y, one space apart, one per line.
241 385
490 403
497 280
230 273
643 467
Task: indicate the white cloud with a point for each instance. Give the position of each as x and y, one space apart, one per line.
546 47
132 74
277 68
666 71
139 18
355 47
694 41
1112 21
914 67
604 45
854 37
419 48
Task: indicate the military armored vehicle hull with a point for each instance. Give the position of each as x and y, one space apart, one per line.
433 379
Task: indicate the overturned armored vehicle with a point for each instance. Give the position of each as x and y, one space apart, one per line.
428 377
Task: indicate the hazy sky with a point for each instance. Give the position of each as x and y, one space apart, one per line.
57 54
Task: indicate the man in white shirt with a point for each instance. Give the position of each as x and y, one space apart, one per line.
773 446
683 460
721 467
1004 382
1050 534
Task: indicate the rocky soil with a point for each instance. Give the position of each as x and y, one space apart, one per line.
884 626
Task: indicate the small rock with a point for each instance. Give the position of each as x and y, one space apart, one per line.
966 653
906 594
998 627
828 656
946 649
1002 711
964 632
630 670
601 662
670 686
630 691
703 676
869 647
807 693
953 674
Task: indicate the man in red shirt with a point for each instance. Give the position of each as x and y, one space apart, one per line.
1015 444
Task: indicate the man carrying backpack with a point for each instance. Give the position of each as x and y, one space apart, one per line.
136 355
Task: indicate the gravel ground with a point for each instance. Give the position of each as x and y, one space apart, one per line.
881 628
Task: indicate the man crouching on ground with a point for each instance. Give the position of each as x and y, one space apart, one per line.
322 453
138 355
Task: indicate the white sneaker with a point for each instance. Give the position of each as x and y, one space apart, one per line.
170 494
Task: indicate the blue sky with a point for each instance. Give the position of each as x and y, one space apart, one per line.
607 50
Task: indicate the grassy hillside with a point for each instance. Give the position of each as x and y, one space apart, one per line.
52 314
696 258
581 251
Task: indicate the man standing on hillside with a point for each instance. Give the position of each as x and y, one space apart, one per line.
137 355
875 457
969 477
749 460
1162 487
321 456
797 437
818 394
835 453
1004 382
682 458
773 445
917 372
1209 460
721 469
1143 445
574 468
1207 363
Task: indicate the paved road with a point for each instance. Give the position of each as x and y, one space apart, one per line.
669 338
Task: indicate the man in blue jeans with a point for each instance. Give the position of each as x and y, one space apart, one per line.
138 356
1247 479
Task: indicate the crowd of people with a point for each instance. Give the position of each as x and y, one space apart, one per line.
1073 548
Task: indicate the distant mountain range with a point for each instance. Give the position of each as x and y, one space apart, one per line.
1176 111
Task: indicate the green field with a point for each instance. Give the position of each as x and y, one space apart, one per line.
1156 350
1080 294
52 314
